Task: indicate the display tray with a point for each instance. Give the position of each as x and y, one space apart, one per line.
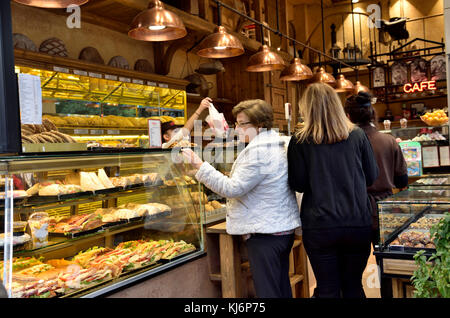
76 234
108 191
39 199
165 261
16 201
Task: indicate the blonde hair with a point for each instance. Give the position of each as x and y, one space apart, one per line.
323 115
258 111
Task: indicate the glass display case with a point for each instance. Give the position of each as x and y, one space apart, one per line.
406 218
84 225
221 155
431 182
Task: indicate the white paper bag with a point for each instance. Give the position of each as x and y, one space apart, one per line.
217 122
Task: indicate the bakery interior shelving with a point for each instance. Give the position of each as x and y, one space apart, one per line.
100 110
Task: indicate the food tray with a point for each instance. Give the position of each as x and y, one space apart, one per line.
61 197
109 190
165 261
156 216
76 234
111 224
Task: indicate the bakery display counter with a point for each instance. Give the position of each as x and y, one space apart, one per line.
85 225
405 220
432 182
221 155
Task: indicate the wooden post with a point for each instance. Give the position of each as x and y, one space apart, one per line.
230 267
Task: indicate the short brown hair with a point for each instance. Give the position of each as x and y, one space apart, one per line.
258 111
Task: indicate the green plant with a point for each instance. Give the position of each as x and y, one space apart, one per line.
432 277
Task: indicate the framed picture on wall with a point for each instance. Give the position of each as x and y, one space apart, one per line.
438 68
399 72
379 77
419 70
418 106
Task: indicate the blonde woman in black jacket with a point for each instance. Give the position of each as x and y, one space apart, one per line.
330 160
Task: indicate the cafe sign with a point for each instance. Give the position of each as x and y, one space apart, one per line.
419 87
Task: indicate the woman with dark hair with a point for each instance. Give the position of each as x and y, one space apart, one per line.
389 156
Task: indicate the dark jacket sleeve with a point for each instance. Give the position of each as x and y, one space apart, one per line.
297 174
400 168
369 162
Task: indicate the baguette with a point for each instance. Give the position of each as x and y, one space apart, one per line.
56 137
48 124
27 140
62 136
46 138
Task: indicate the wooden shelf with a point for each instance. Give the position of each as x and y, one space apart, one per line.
48 62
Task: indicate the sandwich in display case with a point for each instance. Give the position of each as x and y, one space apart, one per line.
87 224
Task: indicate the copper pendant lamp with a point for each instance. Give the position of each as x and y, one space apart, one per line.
360 88
157 24
321 76
265 60
296 71
220 44
343 85
51 3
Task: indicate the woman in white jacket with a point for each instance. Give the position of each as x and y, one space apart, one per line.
260 204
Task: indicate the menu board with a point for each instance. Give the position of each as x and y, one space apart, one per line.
444 155
430 157
154 133
30 99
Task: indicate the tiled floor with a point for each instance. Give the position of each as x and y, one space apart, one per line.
370 279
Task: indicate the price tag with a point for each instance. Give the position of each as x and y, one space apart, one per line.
113 132
96 131
96 75
136 81
125 79
111 77
60 69
151 83
81 131
163 85
78 72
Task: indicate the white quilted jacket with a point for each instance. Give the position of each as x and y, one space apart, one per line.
259 199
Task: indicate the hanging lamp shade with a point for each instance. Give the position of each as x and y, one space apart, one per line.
296 71
321 76
51 3
220 44
343 85
265 60
360 88
157 24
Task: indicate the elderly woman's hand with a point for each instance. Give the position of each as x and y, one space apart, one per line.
192 158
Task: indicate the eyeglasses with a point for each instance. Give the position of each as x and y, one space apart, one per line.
241 124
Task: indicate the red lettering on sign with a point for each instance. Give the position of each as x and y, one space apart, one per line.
416 87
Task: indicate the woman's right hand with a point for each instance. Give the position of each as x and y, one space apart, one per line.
204 104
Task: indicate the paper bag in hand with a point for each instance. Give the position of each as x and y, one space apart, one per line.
217 122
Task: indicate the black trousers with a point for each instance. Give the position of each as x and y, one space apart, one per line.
268 256
338 258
